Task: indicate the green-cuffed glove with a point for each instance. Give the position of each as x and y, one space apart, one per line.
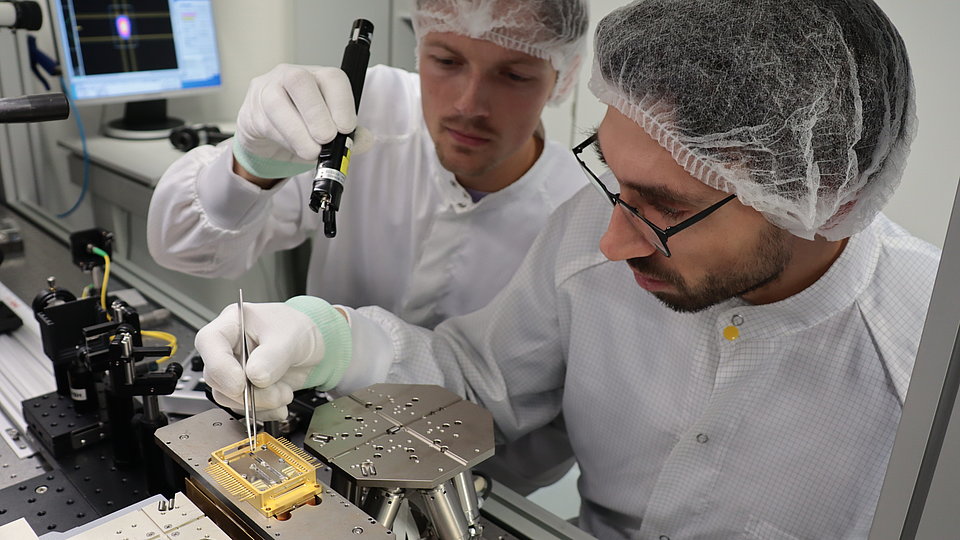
302 343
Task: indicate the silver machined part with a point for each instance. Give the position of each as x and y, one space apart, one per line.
417 442
446 514
127 342
469 500
413 436
253 402
129 370
249 406
151 407
189 442
263 465
383 505
117 313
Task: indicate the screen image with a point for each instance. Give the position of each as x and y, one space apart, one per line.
123 49
112 37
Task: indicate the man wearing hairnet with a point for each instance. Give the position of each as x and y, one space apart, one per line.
729 327
457 180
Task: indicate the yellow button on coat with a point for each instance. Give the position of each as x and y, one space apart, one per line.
731 333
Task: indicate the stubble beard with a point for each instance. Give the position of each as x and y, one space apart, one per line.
769 260
451 164
449 153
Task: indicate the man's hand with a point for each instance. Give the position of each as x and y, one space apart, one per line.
287 114
290 348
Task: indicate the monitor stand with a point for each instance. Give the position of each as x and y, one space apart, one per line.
142 120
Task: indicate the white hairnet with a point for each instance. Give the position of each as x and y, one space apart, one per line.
803 108
554 30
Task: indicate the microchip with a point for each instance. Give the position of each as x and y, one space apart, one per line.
274 476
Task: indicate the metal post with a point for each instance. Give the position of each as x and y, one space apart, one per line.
446 514
151 408
469 501
383 505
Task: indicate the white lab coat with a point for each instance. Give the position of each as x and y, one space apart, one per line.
410 238
680 433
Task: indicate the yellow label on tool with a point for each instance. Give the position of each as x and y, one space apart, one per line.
345 162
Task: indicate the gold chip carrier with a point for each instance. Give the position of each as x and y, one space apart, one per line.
275 477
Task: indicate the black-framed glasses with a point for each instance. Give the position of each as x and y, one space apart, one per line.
653 234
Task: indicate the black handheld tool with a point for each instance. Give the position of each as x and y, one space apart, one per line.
334 157
35 108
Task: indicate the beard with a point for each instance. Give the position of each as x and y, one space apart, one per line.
764 264
456 158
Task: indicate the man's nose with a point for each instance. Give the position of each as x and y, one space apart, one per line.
472 100
623 240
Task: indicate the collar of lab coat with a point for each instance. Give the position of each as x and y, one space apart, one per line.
873 276
457 198
836 290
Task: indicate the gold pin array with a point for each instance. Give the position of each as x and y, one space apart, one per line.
271 498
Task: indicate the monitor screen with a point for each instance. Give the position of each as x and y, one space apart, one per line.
117 51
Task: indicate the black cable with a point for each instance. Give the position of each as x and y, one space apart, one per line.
208 392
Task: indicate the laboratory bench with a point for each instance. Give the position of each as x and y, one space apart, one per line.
61 490
57 493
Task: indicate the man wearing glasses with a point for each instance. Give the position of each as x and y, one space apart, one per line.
751 385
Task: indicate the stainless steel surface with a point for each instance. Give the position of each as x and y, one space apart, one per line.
190 442
249 405
151 407
154 518
129 370
406 436
383 504
390 437
342 425
25 372
16 466
467 492
443 506
15 440
402 403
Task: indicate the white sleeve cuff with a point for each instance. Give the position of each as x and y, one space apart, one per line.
226 197
372 354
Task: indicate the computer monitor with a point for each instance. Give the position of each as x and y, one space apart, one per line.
137 52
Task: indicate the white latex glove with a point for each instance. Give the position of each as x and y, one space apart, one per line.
290 348
287 114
